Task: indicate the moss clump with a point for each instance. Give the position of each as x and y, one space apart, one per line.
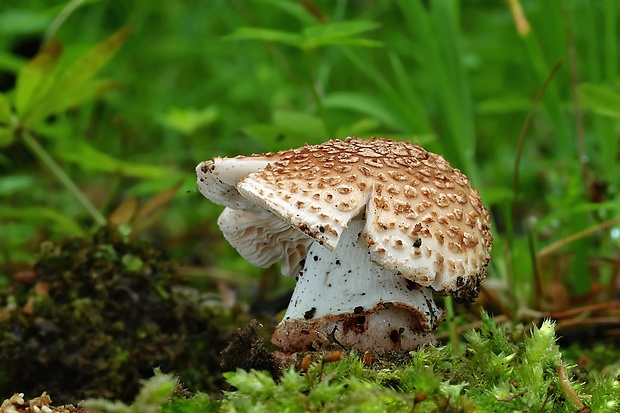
98 315
499 372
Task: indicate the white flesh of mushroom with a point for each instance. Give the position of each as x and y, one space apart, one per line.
342 296
218 179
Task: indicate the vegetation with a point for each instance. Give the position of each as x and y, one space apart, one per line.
106 107
96 315
499 372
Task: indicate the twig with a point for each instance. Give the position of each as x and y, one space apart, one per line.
597 321
587 308
512 396
554 246
549 392
333 336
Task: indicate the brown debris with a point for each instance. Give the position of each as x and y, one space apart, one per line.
246 350
41 404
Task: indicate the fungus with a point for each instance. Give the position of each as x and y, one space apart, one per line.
369 228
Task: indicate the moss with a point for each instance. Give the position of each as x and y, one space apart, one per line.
98 315
500 371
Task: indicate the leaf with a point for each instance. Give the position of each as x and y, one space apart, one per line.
294 9
157 203
124 213
42 215
73 85
366 104
13 184
267 35
19 22
92 159
6 137
361 126
36 77
288 128
601 99
72 96
189 120
141 218
300 124
10 63
312 37
92 62
339 33
5 110
152 210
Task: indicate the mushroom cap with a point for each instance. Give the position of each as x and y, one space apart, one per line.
424 221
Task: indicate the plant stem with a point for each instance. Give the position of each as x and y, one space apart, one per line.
62 177
69 8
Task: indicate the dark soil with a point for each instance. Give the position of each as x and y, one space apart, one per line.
95 316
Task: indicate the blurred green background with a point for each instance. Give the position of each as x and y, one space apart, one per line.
198 79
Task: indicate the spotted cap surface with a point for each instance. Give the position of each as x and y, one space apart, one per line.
423 219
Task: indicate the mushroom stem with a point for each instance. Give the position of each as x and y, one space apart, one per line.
342 296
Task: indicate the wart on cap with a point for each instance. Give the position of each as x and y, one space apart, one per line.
368 227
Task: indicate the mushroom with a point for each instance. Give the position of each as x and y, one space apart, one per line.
369 229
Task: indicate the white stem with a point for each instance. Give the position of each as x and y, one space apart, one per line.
342 296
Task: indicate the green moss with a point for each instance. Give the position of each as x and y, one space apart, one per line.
500 371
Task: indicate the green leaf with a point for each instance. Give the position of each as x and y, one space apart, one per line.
95 59
6 137
5 110
92 159
189 120
300 124
43 216
267 35
74 85
339 33
36 77
361 127
366 104
288 129
294 9
601 99
312 37
22 22
10 63
132 263
13 184
72 96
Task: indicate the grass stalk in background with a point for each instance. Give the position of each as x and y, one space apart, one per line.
66 11
62 177
511 223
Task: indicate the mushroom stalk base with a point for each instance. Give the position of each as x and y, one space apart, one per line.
343 297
